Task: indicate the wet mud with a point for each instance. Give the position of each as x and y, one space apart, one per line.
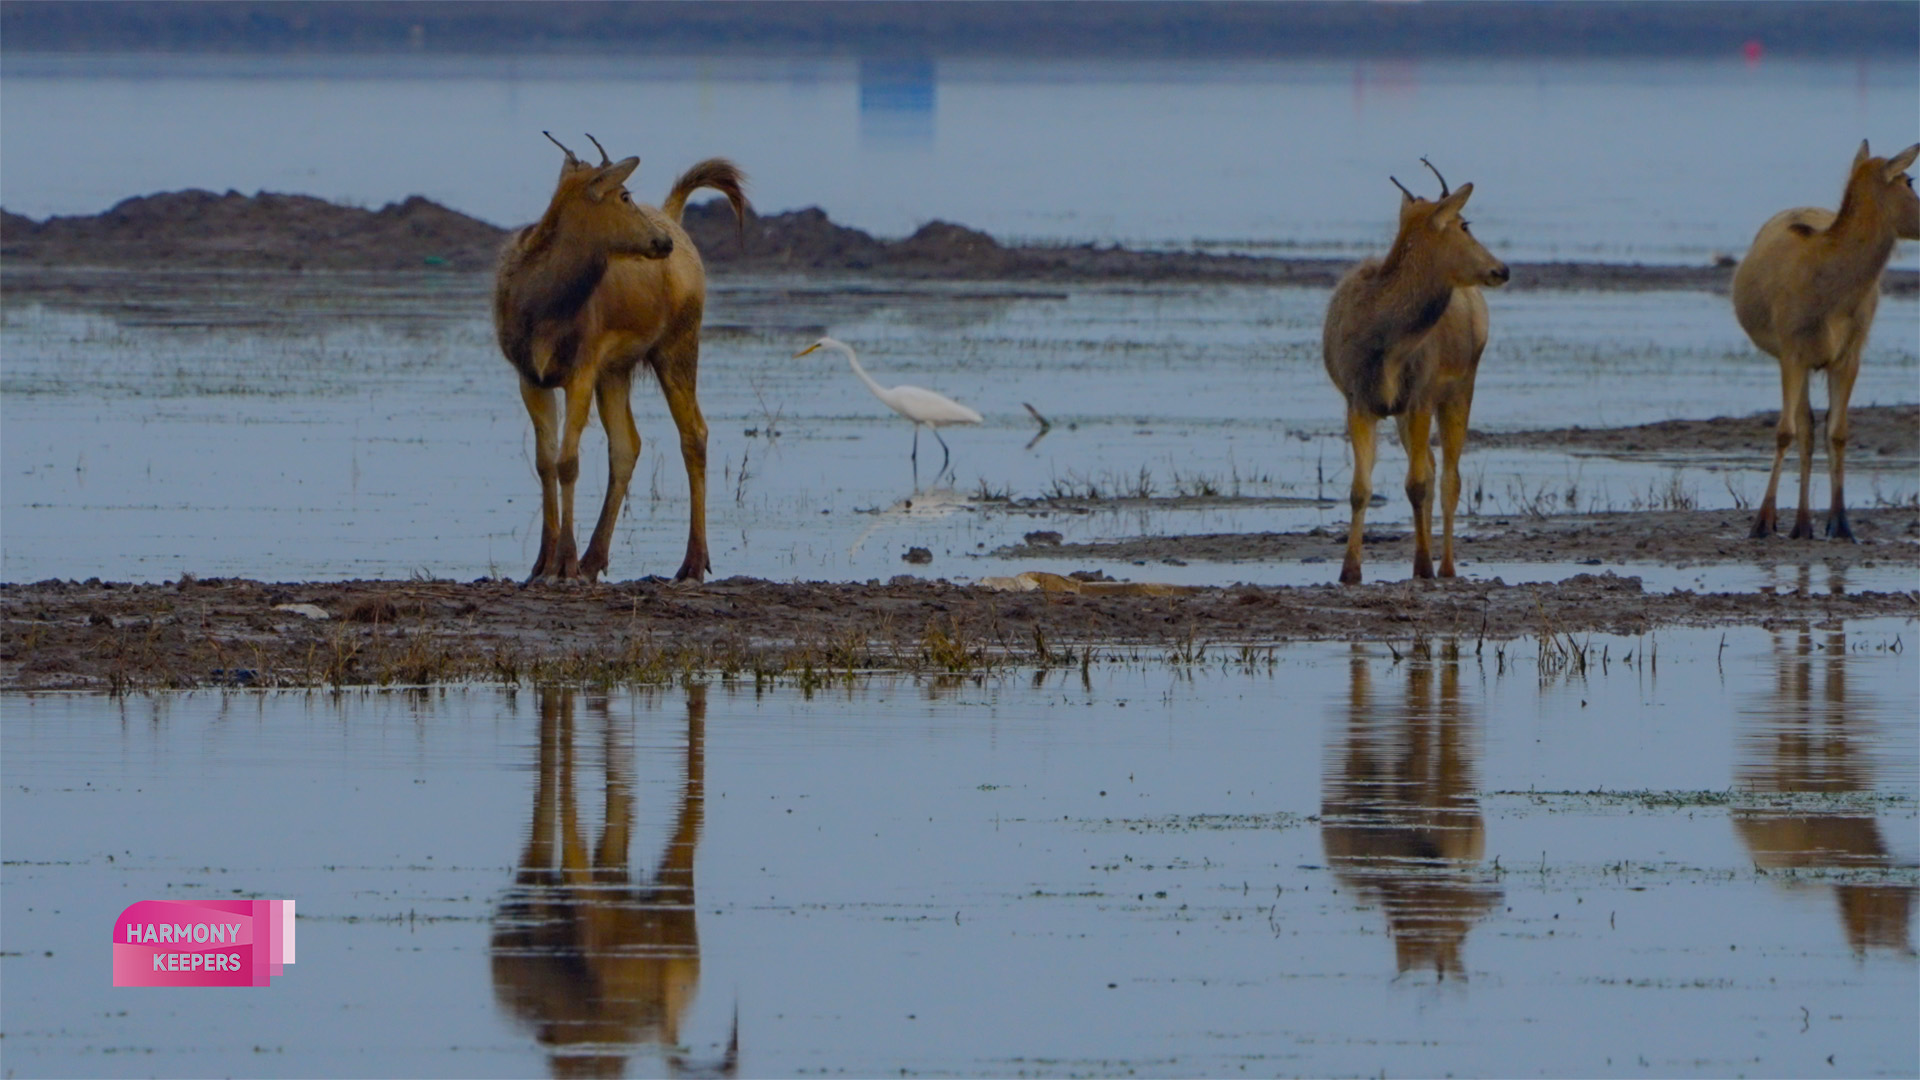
1879 436
1887 537
203 230
229 632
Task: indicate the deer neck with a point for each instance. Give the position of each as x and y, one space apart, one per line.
560 276
1412 291
1859 242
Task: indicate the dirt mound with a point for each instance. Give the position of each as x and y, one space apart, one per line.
234 231
201 229
801 239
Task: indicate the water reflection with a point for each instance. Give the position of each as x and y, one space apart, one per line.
595 963
1399 819
1806 739
897 100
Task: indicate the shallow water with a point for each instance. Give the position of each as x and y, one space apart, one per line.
1697 859
338 426
1649 160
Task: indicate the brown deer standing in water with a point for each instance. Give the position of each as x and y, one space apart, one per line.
1400 822
593 962
1403 338
1808 742
1806 294
599 286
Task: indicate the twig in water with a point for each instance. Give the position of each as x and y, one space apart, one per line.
1045 425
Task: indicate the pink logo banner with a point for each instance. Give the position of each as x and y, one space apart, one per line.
203 943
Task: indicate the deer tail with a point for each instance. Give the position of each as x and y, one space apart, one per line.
722 176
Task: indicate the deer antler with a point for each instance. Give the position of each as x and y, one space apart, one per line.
1403 189
604 160
562 146
1444 189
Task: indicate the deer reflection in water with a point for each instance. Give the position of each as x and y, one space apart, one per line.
1806 739
1399 819
595 963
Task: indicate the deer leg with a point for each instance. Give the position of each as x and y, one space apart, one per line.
545 412
1840 378
678 369
1416 428
1453 439
1793 392
1803 436
579 394
615 396
1360 433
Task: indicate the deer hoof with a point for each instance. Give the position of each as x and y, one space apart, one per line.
1839 529
1802 529
1350 574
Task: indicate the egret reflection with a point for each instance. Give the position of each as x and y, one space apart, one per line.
1805 740
597 964
1399 819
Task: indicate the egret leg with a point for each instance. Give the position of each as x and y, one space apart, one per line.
945 454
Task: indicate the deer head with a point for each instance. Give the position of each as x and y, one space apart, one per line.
592 206
1433 232
1884 184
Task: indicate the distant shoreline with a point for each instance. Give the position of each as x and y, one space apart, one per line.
204 231
1013 29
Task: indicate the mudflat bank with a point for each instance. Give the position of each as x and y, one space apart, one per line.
240 633
1879 436
204 230
1889 536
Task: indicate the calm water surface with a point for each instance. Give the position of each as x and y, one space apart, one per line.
333 426
1692 861
1663 161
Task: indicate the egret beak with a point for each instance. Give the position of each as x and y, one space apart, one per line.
806 350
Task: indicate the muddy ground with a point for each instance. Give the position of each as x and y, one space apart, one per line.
204 230
1887 537
95 635
1879 436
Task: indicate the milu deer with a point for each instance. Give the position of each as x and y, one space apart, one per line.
1403 338
1806 294
598 287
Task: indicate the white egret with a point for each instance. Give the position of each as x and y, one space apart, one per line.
918 404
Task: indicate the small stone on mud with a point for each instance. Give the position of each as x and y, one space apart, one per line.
918 556
1043 536
311 611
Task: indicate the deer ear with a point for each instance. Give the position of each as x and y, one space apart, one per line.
1450 206
1900 162
610 177
1863 155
